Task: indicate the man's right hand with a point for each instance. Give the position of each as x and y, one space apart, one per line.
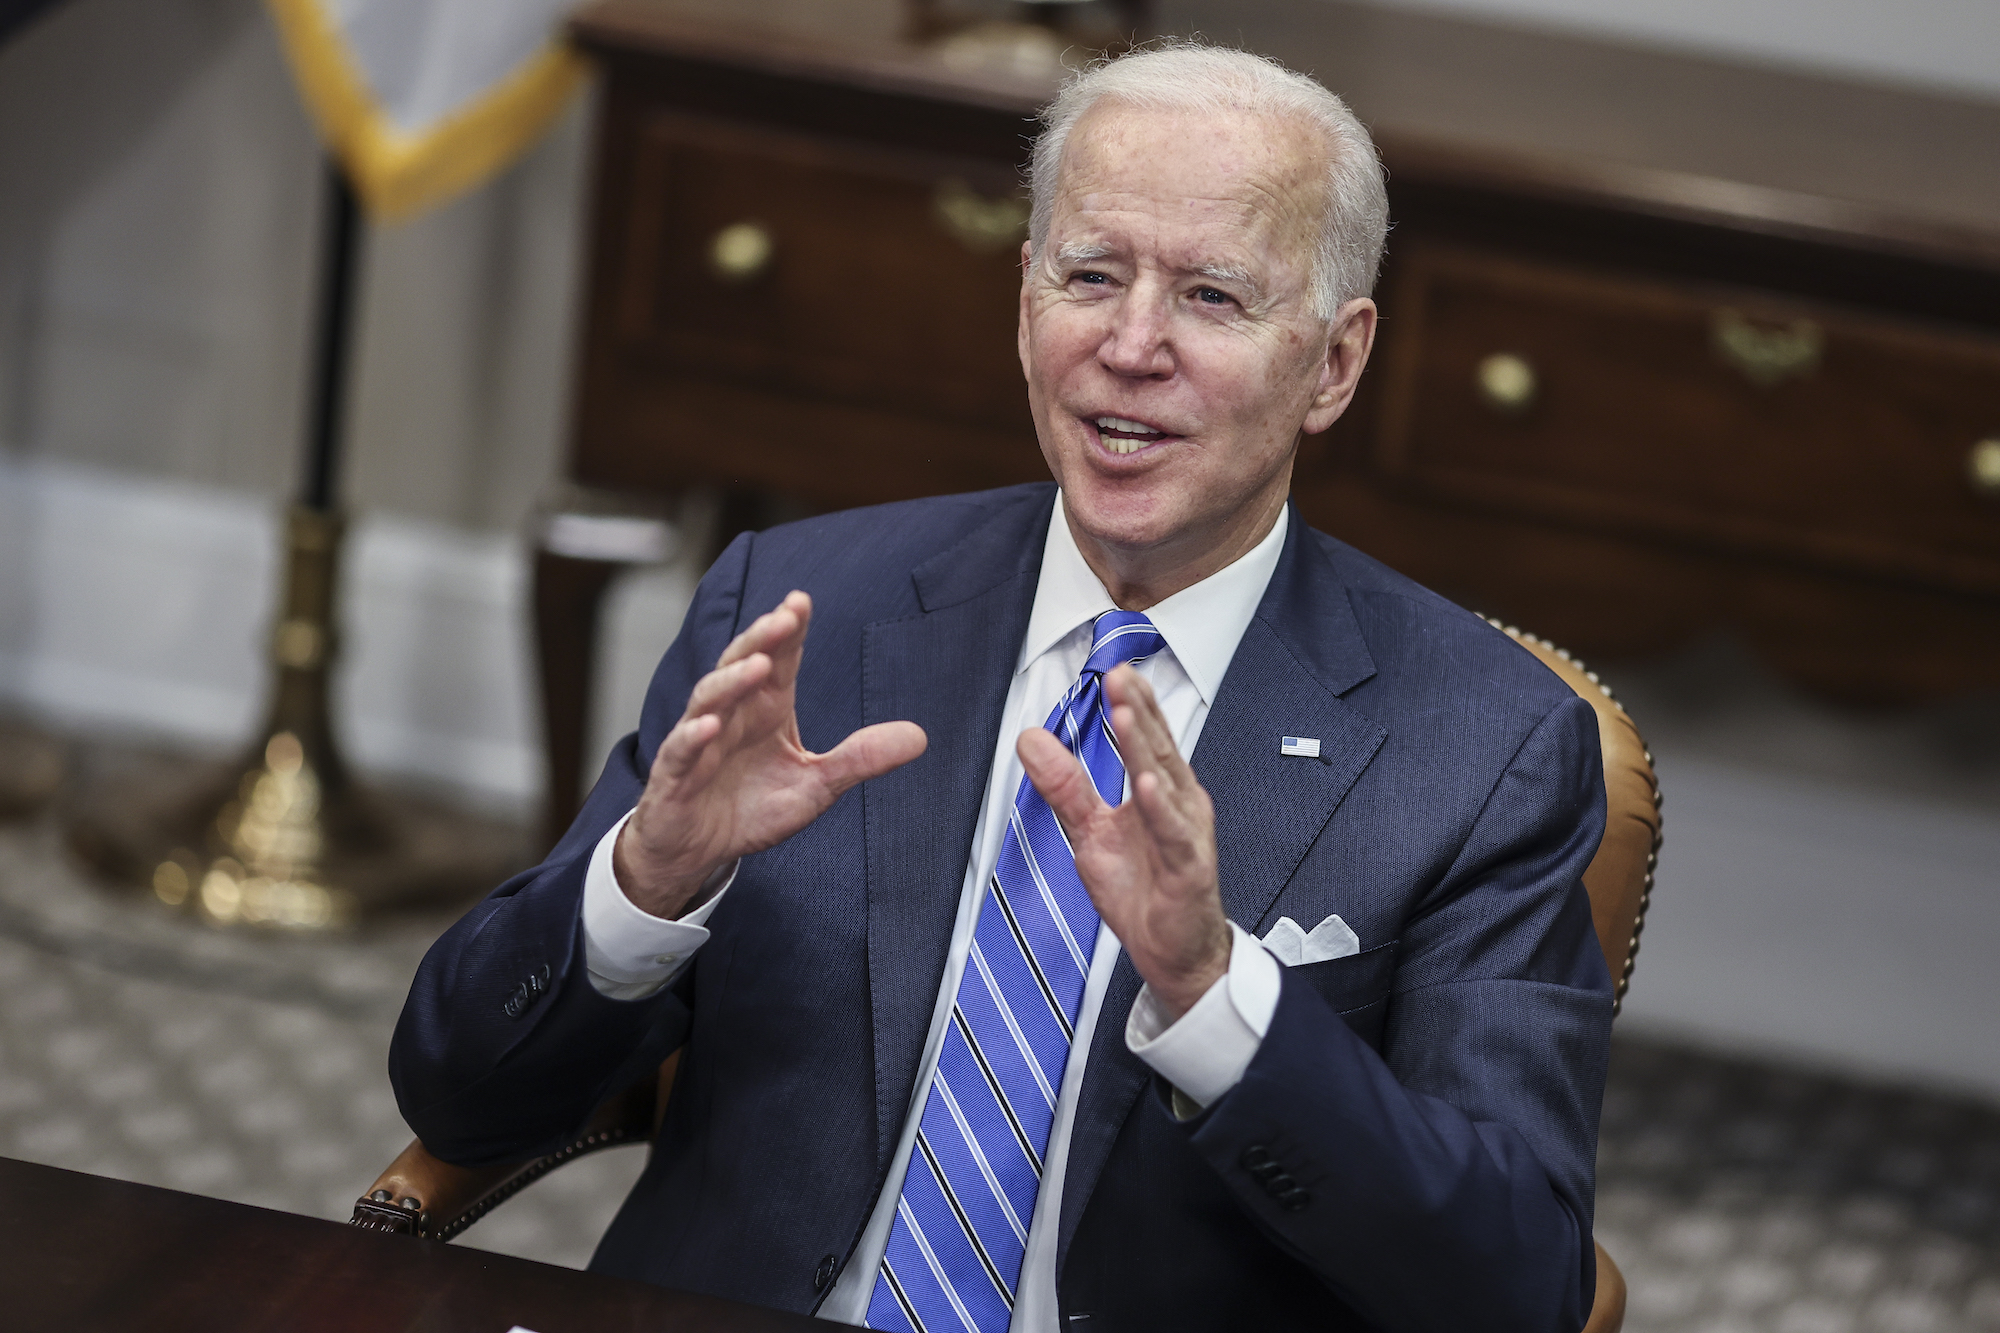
731 778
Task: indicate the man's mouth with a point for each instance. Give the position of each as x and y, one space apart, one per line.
1121 436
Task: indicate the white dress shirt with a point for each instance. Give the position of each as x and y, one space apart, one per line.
630 953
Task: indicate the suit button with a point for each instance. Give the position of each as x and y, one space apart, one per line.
1257 1159
1294 1199
823 1275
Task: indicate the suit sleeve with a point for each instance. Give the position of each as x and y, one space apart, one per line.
1447 1182
504 1048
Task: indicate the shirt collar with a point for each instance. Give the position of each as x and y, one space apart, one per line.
1202 623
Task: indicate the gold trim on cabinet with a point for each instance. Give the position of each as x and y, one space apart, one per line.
1507 383
1767 356
979 223
740 251
1983 465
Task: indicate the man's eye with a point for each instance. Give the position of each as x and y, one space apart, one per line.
1093 278
1211 296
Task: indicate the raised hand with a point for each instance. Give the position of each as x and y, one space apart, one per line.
1149 863
731 778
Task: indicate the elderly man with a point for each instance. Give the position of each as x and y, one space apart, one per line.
949 873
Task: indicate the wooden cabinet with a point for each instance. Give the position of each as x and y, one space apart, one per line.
1704 414
1653 363
787 303
1734 410
805 266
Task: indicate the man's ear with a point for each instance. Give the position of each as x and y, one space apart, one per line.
1349 340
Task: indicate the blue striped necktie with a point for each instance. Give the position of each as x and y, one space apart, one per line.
961 1230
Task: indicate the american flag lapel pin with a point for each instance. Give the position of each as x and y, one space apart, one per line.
1305 747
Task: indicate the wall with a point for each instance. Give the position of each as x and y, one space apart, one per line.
159 229
141 607
1942 44
1829 888
159 218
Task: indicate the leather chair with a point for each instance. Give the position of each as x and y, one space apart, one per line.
1619 878
423 1196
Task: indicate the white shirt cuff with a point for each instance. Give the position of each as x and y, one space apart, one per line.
1205 1053
629 952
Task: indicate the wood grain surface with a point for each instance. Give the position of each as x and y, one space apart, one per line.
83 1254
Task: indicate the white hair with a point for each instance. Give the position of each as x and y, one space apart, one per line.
1191 76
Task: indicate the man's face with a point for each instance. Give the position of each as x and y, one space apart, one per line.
1171 351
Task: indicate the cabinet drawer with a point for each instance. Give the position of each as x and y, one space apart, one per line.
852 285
1723 418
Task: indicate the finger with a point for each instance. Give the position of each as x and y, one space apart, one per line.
1166 820
770 631
683 747
1135 745
871 752
757 637
1059 777
1128 688
723 687
1144 739
1166 749
787 652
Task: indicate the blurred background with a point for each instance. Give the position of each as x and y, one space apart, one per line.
1690 362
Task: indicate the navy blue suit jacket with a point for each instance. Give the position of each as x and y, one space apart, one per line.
1435 1096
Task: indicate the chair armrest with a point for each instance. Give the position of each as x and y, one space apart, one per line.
420 1195
423 1195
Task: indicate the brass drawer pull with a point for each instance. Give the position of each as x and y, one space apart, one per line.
1983 463
1506 383
1767 356
740 252
980 224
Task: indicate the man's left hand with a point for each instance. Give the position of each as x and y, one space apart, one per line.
1149 863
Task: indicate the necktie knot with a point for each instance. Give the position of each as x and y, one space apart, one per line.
1119 637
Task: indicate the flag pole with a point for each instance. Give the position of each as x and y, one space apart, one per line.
285 837
333 337
307 636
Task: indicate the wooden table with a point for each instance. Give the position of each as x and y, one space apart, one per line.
80 1253
1749 321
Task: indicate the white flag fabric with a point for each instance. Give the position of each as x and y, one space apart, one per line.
421 99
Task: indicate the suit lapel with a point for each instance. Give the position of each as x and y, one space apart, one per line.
1301 652
946 669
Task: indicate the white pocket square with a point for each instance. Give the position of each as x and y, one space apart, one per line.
1294 946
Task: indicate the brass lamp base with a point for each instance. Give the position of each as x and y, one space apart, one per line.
380 855
285 838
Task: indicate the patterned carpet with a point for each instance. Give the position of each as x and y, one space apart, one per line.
135 1044
1738 1196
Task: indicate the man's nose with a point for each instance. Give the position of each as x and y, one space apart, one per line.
1137 342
